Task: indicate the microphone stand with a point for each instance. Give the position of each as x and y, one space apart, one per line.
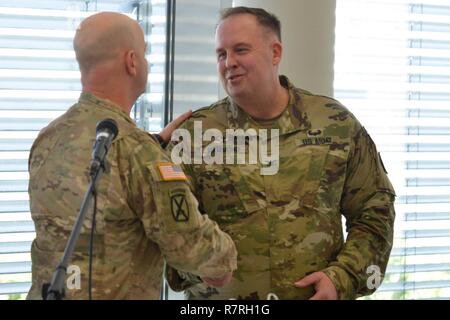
55 290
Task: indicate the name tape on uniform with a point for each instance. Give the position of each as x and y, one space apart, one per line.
170 172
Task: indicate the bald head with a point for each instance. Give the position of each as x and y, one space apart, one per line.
105 36
110 49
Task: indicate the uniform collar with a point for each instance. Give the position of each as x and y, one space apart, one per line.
89 98
293 118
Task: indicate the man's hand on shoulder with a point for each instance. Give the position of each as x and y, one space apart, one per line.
166 133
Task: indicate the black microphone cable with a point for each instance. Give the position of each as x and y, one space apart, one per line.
91 243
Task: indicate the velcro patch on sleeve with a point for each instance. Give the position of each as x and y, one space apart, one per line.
171 172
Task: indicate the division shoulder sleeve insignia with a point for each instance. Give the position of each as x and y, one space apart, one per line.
179 206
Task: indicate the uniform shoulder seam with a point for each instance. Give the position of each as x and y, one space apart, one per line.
211 107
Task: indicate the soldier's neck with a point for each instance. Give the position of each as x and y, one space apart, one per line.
116 96
266 106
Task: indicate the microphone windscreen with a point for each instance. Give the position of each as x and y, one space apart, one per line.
108 124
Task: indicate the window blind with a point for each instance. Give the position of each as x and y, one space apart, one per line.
196 83
194 77
392 70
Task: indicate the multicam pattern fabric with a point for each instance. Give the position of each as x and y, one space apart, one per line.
288 225
137 209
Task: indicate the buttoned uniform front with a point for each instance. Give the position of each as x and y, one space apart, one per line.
288 225
145 210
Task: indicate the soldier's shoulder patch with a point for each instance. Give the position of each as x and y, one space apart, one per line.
179 206
170 171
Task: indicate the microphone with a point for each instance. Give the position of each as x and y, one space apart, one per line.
106 132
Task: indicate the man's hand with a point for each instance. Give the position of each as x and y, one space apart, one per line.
166 133
218 282
325 289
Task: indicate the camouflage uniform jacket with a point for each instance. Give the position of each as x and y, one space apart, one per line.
288 225
143 213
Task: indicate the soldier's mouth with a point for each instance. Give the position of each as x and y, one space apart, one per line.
235 77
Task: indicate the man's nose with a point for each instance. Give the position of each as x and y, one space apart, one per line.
231 61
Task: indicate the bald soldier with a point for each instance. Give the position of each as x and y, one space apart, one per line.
145 209
284 212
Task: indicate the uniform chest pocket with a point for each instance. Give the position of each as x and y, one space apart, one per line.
224 192
301 168
311 167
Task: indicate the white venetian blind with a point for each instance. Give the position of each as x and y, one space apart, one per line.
39 80
184 76
392 70
196 83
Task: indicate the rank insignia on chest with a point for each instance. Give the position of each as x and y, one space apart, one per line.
170 172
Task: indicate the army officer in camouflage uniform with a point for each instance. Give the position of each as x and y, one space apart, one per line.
146 211
287 225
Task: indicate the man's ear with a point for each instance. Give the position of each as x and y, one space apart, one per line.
277 51
130 62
